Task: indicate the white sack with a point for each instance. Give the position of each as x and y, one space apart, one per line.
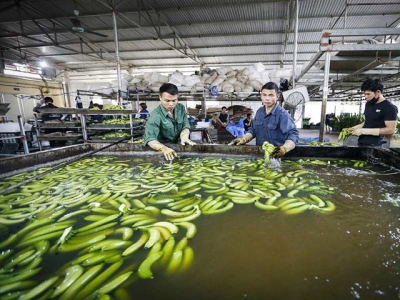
237 87
227 87
163 78
231 80
136 79
232 73
211 79
177 77
224 70
255 76
259 67
255 84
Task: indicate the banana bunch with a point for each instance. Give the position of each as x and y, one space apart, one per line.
344 134
140 141
320 144
113 107
117 121
268 150
112 221
115 135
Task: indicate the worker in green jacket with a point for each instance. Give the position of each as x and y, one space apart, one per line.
167 123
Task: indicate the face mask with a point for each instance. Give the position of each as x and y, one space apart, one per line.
373 101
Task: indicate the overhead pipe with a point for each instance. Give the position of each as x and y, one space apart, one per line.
117 56
296 34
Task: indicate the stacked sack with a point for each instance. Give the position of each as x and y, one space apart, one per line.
226 79
243 82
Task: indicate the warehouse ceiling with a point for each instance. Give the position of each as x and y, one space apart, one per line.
166 35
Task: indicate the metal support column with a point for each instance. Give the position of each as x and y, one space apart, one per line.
23 136
66 89
131 125
325 94
84 129
296 33
117 56
39 141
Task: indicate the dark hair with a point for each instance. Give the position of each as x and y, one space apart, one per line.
169 88
143 105
48 100
372 84
249 115
223 107
271 86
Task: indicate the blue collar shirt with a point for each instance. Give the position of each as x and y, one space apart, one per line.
275 128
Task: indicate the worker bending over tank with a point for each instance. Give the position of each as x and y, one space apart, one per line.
167 123
271 124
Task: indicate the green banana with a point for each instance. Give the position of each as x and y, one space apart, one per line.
144 270
244 200
191 217
126 232
66 247
95 283
112 285
85 278
265 206
320 202
168 250
36 291
187 259
154 236
19 285
330 207
98 223
175 214
134 247
191 228
298 209
175 262
220 210
168 225
21 276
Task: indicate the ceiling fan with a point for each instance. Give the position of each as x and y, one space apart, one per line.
76 25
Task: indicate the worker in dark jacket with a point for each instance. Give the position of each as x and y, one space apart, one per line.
47 102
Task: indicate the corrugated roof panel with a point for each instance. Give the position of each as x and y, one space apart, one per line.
151 54
211 12
378 7
162 62
235 40
320 8
229 28
243 59
264 49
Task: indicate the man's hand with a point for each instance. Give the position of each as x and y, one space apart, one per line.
364 131
169 153
185 137
241 141
282 150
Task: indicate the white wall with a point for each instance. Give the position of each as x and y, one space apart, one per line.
313 109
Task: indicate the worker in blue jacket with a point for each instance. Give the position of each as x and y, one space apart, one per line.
271 124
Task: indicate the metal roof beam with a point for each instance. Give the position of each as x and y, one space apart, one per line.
362 32
137 26
171 36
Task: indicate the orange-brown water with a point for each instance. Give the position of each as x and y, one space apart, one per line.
248 253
